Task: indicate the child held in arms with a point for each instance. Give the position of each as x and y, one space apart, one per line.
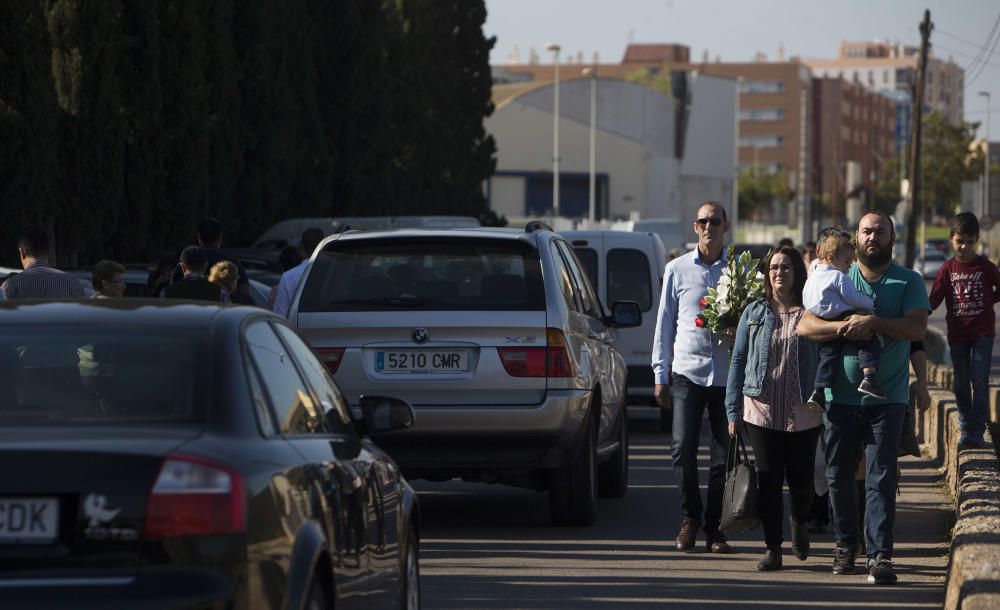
830 294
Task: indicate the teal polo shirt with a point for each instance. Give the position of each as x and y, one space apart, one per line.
897 290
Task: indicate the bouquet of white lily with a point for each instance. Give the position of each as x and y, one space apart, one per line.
741 284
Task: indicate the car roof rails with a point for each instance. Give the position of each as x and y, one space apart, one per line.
536 225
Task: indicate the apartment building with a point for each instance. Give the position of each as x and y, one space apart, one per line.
855 133
880 66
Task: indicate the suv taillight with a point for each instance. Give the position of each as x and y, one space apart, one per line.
331 357
550 361
195 496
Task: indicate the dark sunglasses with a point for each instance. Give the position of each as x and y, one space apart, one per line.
713 220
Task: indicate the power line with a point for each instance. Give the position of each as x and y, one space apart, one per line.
979 56
971 79
960 39
962 53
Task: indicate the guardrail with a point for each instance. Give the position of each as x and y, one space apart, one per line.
973 477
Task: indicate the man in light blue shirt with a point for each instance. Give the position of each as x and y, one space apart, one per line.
290 279
690 368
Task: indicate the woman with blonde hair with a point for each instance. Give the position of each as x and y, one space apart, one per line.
225 274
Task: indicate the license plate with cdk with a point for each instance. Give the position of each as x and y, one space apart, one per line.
422 361
28 520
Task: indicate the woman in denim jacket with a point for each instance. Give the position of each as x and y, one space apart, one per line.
770 376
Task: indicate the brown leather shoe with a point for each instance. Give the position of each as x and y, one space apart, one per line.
717 543
687 534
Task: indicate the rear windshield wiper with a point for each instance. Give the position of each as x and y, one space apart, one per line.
405 301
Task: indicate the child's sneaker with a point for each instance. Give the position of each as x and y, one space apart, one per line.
870 387
817 401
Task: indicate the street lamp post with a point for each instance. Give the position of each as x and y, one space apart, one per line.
551 46
986 197
592 208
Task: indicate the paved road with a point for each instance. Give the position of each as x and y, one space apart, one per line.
493 547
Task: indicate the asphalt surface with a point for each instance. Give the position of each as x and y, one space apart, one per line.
486 546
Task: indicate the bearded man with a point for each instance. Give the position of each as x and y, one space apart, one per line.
855 421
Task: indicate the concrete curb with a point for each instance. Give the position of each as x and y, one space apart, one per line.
973 477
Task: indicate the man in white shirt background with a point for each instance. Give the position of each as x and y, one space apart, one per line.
290 279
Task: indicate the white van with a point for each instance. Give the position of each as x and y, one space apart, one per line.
627 266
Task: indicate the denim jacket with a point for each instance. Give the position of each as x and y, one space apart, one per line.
748 365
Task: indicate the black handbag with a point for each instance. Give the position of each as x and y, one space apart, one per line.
740 502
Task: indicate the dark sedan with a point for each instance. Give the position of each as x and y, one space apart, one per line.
181 455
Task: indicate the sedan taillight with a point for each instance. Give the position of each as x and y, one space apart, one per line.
195 496
331 357
550 361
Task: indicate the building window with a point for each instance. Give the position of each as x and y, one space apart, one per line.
770 169
885 77
762 114
762 86
761 141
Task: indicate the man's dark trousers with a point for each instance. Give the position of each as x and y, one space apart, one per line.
876 429
690 401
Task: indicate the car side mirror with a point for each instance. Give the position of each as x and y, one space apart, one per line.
625 314
385 414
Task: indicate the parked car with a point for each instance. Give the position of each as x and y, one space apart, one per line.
933 260
288 232
184 455
628 266
136 277
498 340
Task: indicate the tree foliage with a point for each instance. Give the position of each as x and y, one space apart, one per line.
658 78
123 123
946 160
758 190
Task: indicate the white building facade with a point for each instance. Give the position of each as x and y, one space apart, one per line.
656 155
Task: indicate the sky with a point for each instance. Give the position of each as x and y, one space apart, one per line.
736 30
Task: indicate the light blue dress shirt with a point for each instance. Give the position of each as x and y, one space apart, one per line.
678 344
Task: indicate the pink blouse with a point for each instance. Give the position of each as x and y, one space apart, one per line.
780 406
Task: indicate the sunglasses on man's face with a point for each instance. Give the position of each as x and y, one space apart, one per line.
713 220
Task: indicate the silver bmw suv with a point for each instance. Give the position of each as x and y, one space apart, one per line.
496 338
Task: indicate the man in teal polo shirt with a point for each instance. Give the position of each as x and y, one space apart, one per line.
855 421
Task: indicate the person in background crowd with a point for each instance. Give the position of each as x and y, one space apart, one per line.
969 286
225 274
690 366
786 242
809 256
39 280
854 421
108 280
194 285
159 278
290 279
770 376
210 239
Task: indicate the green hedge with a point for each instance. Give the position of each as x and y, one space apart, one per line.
124 122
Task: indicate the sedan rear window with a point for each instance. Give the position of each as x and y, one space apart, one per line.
450 274
71 376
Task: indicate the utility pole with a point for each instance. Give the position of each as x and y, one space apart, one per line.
916 209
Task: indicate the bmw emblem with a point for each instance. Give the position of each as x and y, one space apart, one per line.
420 335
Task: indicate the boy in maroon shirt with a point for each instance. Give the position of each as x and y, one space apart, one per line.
969 285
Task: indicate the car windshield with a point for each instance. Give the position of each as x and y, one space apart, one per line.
425 274
85 376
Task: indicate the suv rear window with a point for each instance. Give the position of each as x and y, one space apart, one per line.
64 376
448 274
